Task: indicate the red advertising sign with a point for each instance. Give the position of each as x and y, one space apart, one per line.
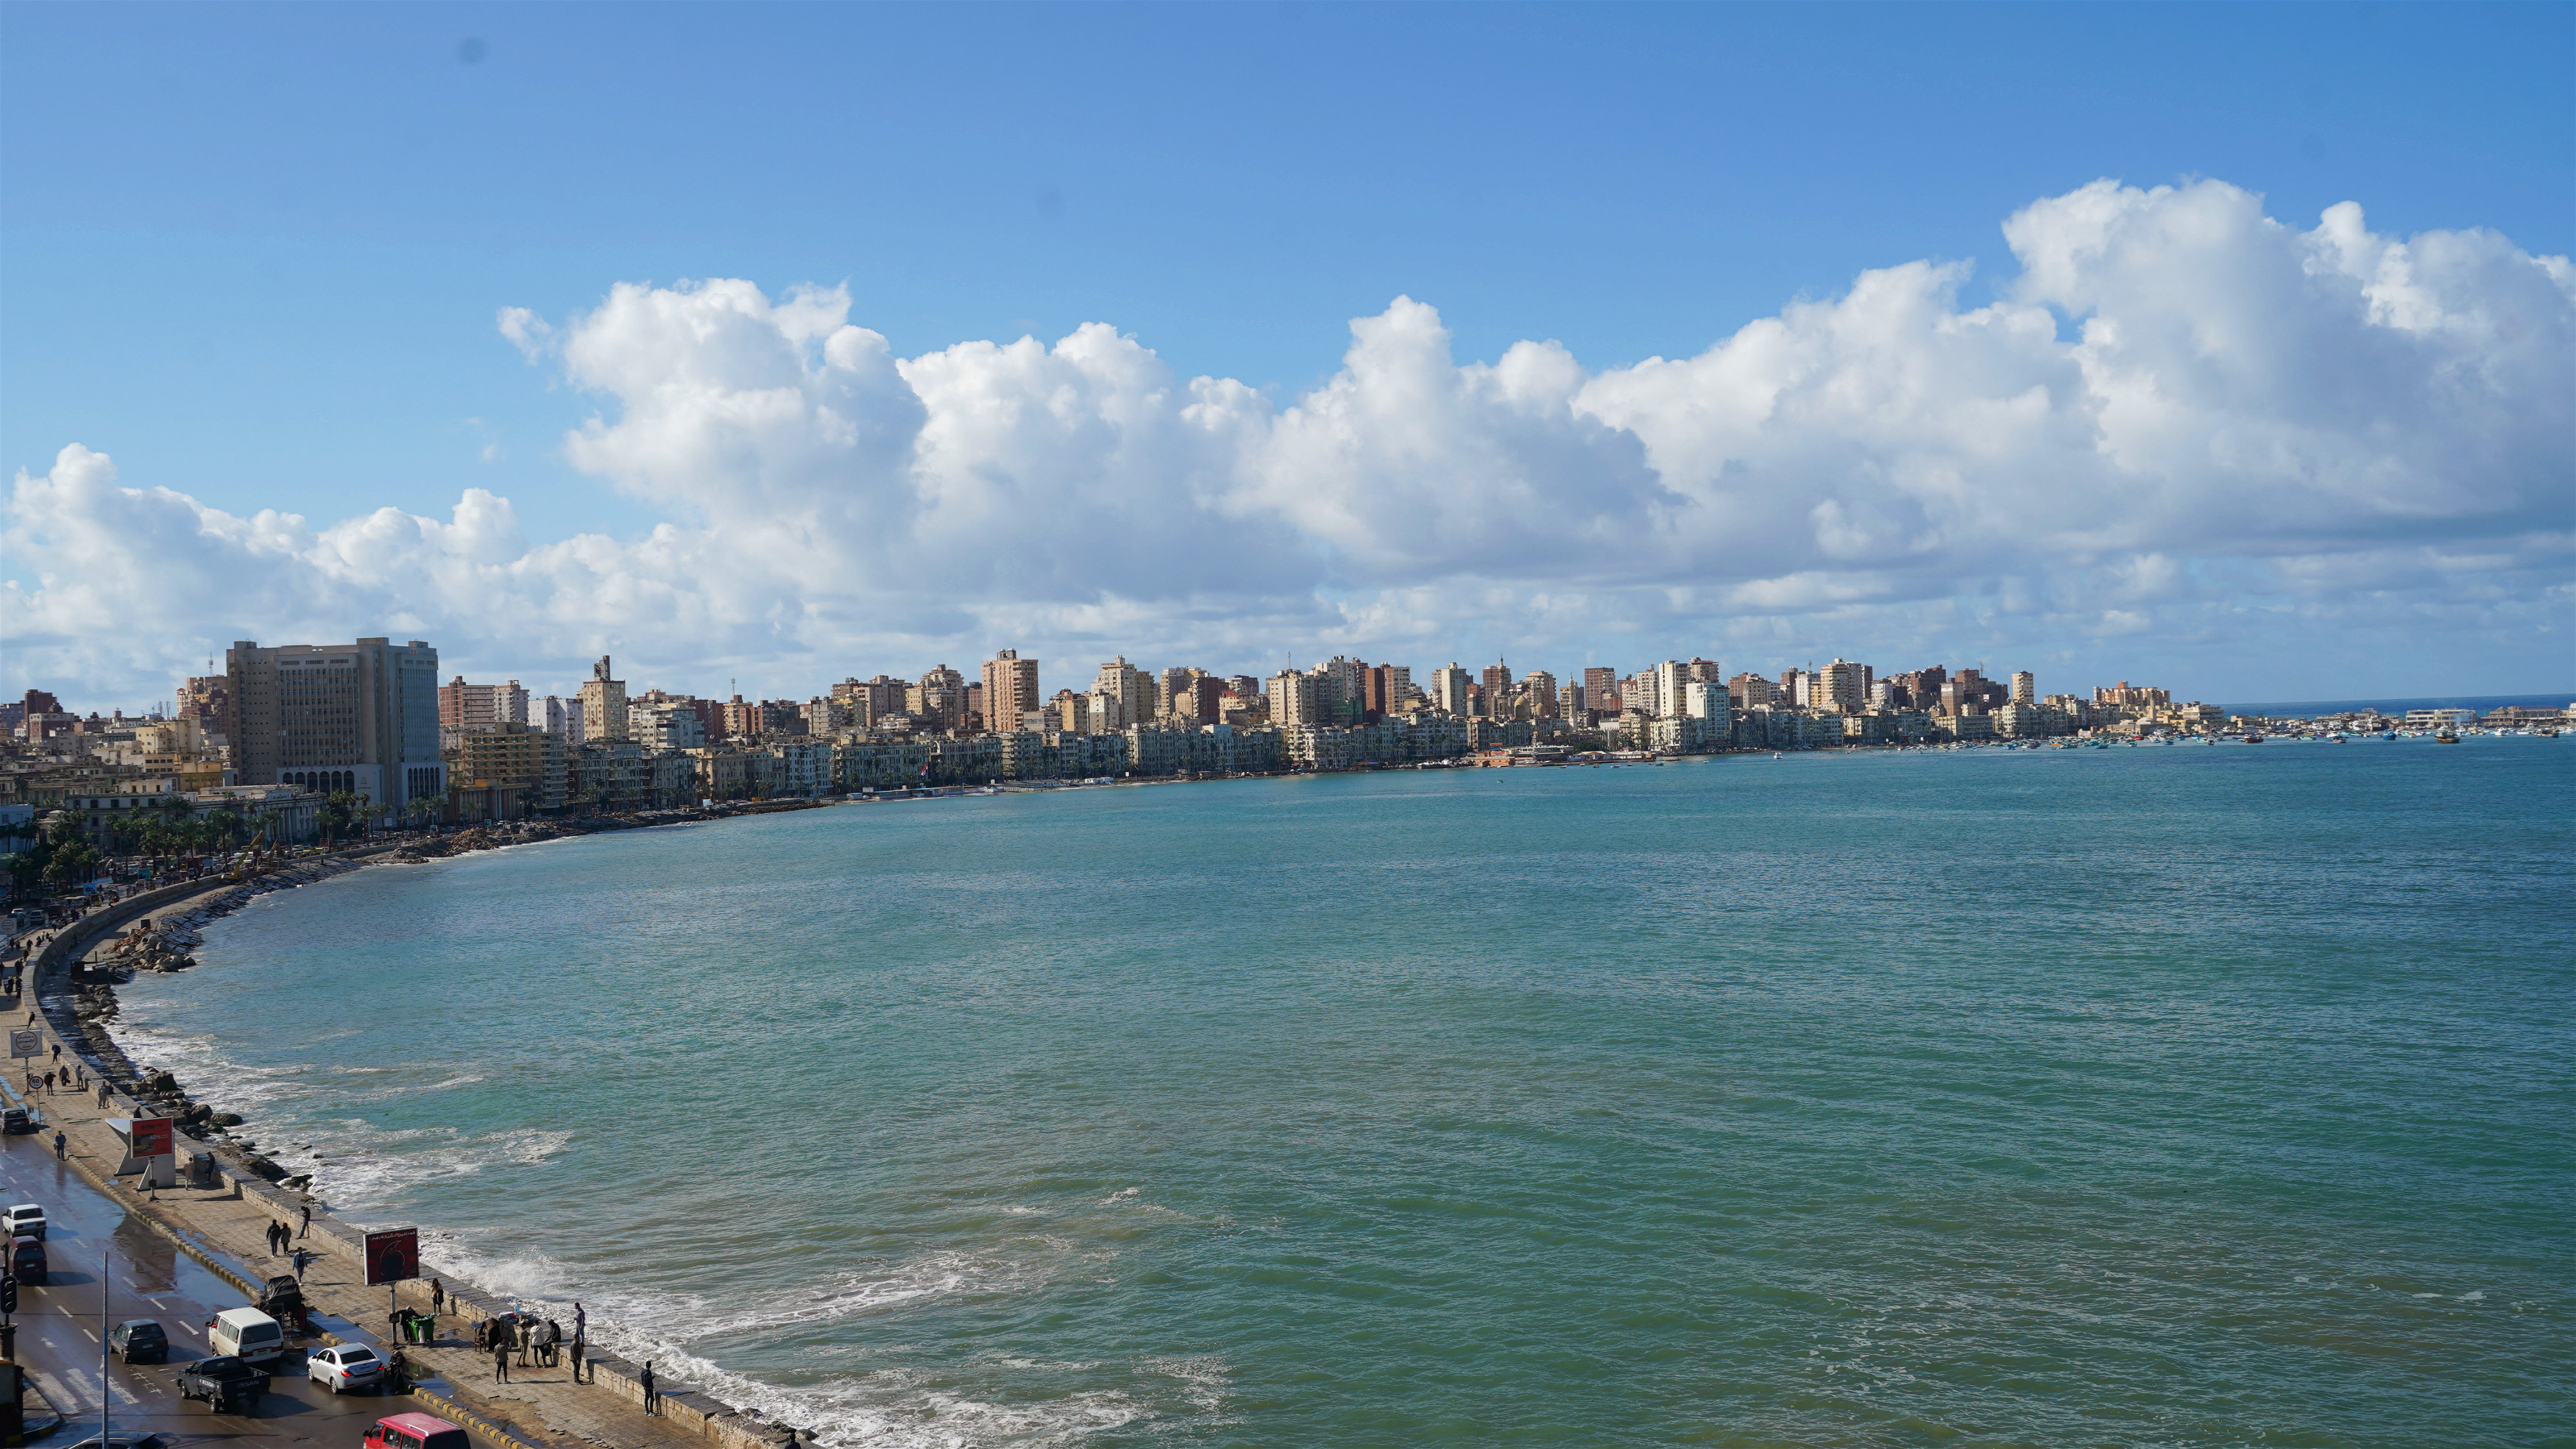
150 1137
393 1255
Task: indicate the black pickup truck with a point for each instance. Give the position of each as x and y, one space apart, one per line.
228 1385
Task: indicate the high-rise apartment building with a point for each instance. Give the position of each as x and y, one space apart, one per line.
1293 699
1673 678
1010 691
1838 684
1638 695
562 717
2025 688
871 700
513 755
1105 713
1539 687
1751 691
1601 689
1133 687
1448 690
1196 699
1389 685
1708 700
603 704
202 699
360 717
470 707
666 724
1341 690
1497 681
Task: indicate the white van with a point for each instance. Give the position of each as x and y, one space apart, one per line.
249 1335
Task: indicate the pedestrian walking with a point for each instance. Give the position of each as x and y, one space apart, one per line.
308 1219
500 1363
49 1084
59 1144
577 1349
652 1394
301 1258
437 1297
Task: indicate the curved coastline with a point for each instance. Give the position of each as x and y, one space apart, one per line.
80 1015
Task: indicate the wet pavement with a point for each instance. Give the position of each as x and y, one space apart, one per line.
146 1276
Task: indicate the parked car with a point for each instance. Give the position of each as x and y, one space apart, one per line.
27 1261
227 1384
349 1367
139 1340
26 1220
414 1431
17 1121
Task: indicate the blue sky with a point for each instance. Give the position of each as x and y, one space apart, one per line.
255 254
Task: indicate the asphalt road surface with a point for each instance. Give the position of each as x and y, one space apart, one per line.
59 1325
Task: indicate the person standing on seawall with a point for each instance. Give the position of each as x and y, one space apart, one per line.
652 1395
500 1363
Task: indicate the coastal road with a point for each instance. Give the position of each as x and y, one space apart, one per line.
58 1325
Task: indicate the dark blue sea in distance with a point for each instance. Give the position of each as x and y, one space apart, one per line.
2163 1096
2396 708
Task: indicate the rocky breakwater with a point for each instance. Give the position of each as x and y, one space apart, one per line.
82 1014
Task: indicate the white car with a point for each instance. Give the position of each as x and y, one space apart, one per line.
348 1366
26 1220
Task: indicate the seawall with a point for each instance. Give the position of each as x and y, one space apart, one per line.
49 978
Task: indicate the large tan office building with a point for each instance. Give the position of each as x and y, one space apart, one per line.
360 717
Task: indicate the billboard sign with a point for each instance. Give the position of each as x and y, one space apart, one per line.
393 1255
150 1136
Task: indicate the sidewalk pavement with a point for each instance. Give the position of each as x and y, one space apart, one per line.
226 1228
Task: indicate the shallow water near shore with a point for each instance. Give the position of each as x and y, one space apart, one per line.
2181 1096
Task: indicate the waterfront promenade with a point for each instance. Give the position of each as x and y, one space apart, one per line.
225 1228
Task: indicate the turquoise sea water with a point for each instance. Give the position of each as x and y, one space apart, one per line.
2160 1096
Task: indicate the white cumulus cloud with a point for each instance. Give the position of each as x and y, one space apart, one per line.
2182 423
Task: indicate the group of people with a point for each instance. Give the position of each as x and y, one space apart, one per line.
281 1244
539 1343
75 1077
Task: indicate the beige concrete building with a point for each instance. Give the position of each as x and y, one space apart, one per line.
360 717
1010 691
517 757
603 704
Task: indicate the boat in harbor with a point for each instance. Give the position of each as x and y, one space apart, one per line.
2446 737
